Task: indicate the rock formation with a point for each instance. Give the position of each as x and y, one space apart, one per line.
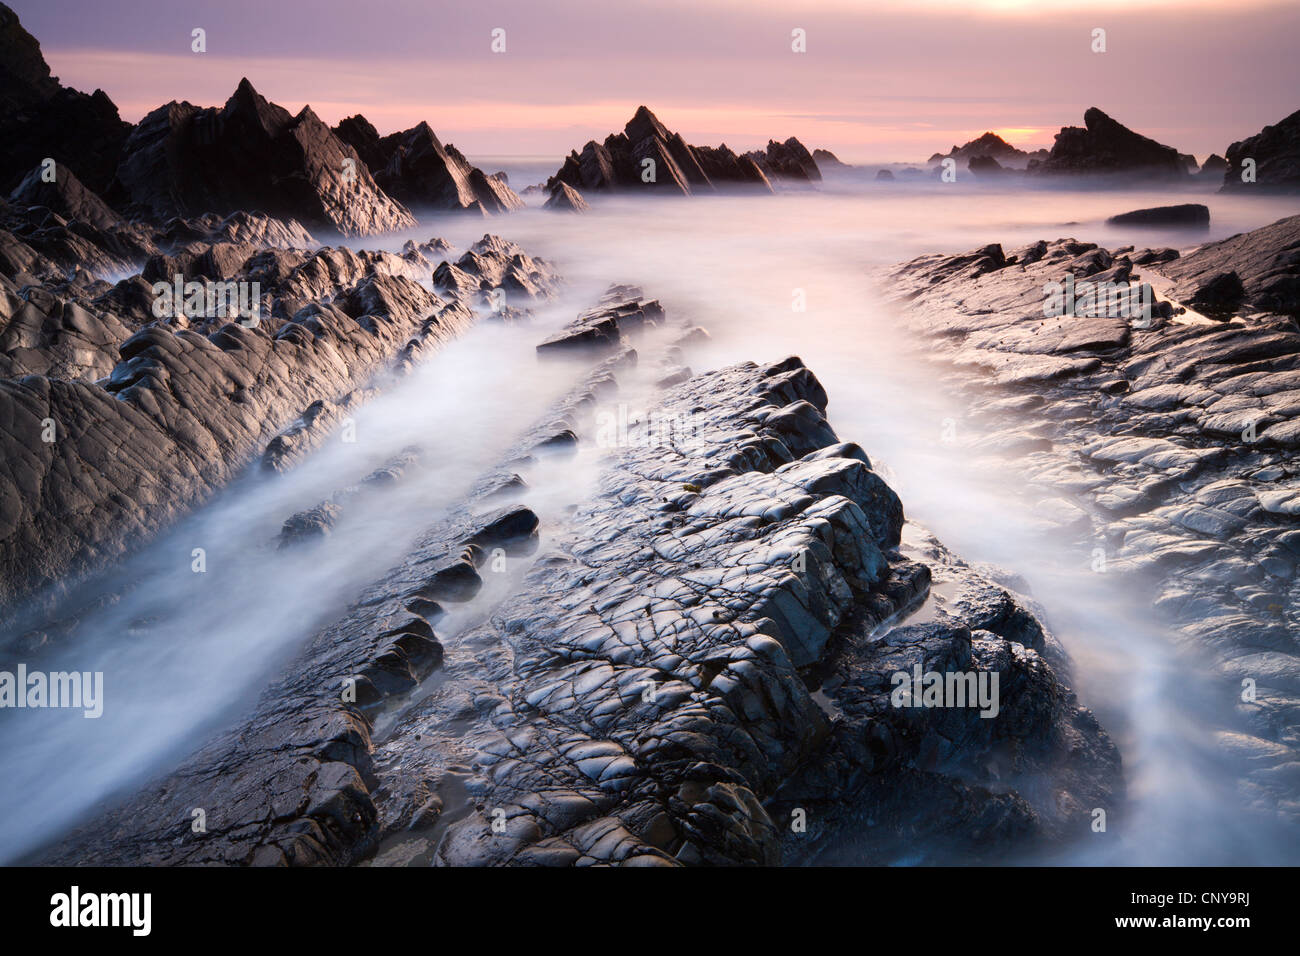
660 696
1104 146
1168 445
647 155
1189 215
992 146
40 119
252 155
564 198
1276 152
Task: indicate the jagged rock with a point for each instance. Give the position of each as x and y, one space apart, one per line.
40 119
425 174
1104 146
1189 215
788 160
1276 152
193 410
604 329
252 155
65 196
358 133
620 162
564 198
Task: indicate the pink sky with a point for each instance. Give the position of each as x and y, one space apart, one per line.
882 81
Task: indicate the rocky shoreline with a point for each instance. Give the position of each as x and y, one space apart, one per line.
1162 444
675 693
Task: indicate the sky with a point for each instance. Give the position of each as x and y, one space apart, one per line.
885 81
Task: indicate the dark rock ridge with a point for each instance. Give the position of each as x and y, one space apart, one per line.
662 695
1169 446
621 161
41 119
1190 215
180 413
415 167
991 146
1276 152
251 155
1258 269
1105 146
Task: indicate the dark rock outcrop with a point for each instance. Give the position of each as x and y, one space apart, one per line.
1107 147
1276 152
423 173
416 168
647 155
1213 168
789 160
986 166
40 119
1189 215
65 196
252 155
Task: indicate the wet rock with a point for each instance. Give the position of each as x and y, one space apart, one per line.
1260 268
1190 215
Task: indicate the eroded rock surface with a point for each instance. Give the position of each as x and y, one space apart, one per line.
1166 444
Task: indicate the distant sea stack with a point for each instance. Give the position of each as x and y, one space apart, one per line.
1104 146
825 159
1276 152
649 155
992 146
414 167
